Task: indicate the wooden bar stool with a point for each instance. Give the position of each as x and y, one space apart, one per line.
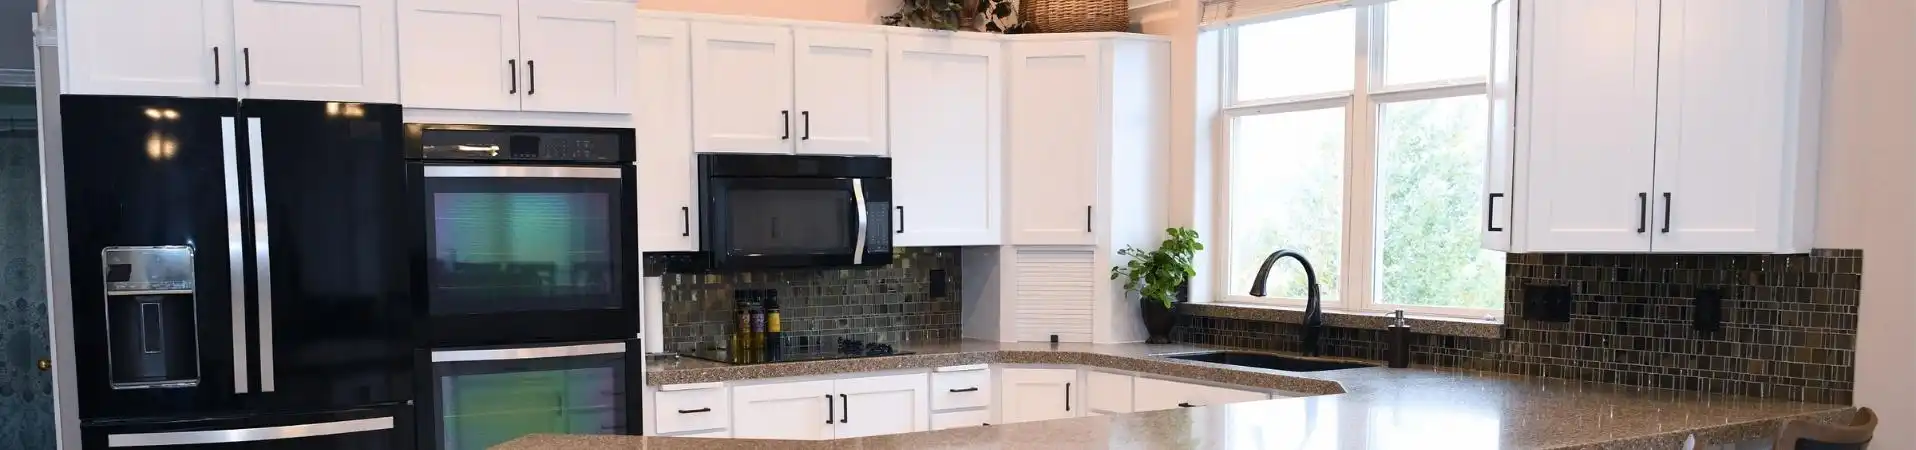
1800 435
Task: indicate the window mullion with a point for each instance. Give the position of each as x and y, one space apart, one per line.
1359 204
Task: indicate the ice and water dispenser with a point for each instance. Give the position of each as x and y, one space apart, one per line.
152 337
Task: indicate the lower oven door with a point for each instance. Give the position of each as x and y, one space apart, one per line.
484 397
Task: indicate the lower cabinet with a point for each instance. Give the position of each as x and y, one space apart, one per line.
831 409
1028 395
1108 392
882 405
1152 394
960 419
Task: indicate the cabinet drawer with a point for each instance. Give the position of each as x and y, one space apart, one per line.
959 419
1108 392
968 389
691 410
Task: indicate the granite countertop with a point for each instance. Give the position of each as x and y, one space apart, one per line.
1368 408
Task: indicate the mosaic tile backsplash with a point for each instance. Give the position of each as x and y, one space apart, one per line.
1788 325
887 304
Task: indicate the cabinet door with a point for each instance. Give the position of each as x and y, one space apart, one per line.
1109 392
1726 135
1502 146
946 120
840 87
578 55
742 88
882 405
324 50
1030 395
1587 126
802 410
662 118
1055 104
178 48
460 54
1152 394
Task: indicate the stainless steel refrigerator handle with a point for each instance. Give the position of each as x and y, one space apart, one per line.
506 354
235 248
249 434
262 253
858 200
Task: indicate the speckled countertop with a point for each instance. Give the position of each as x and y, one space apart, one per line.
1369 408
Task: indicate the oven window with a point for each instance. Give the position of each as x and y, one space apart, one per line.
783 222
511 245
484 403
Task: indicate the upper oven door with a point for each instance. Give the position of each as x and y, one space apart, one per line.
527 254
797 222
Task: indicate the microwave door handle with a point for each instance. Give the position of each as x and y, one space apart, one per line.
858 206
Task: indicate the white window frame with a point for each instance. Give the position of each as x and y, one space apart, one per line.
1358 282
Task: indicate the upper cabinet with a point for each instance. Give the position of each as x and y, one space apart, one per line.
662 118
780 89
947 117
1657 126
568 56
331 50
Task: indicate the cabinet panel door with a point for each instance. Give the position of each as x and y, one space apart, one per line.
460 54
1030 395
1152 394
1724 129
1502 94
578 55
662 117
946 120
742 88
323 50
148 47
784 410
1588 127
1055 106
882 405
1109 392
840 87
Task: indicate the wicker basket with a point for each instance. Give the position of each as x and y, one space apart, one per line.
1073 16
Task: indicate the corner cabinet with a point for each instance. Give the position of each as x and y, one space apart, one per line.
1655 126
568 56
784 89
947 121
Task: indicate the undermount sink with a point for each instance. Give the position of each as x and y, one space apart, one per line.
1273 362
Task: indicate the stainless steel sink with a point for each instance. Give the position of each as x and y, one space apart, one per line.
1273 362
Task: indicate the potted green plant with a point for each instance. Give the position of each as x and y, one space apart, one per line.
1158 276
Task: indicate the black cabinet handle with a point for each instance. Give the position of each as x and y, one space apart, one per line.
246 63
1087 218
1067 396
532 78
691 411
686 213
1490 213
828 409
216 66
845 406
512 65
969 389
901 220
1186 405
786 116
1666 212
807 115
1643 212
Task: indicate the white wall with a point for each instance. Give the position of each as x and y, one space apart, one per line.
853 11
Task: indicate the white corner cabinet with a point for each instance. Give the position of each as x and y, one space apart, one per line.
1683 126
566 56
903 401
334 50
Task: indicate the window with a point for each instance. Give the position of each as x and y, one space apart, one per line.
1357 137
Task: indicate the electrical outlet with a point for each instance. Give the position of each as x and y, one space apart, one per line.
1707 315
1547 303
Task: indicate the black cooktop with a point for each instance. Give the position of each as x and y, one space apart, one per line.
847 349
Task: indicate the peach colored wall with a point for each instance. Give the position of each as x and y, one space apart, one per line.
853 11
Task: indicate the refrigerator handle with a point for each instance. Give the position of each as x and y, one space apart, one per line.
262 253
235 246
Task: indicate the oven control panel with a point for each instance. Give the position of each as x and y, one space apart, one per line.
548 144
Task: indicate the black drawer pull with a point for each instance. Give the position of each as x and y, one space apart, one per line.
845 406
1186 405
691 411
1666 212
532 78
512 65
686 213
1643 212
1490 213
969 389
828 409
216 66
1067 387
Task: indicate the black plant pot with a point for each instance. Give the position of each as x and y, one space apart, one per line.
1158 320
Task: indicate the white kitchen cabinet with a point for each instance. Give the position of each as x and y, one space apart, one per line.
1501 147
796 410
947 122
1659 126
839 80
687 410
1028 395
961 389
661 117
873 406
320 50
1056 93
178 48
742 88
460 54
960 419
578 55
1108 392
1155 395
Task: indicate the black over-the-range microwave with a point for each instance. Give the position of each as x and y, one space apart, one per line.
786 211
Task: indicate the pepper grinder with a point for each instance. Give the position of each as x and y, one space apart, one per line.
1399 341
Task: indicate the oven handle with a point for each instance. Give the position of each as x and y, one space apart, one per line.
521 172
858 201
507 354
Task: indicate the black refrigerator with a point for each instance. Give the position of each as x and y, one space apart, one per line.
238 272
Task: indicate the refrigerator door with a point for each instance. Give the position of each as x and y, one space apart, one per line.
387 428
158 178
331 313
